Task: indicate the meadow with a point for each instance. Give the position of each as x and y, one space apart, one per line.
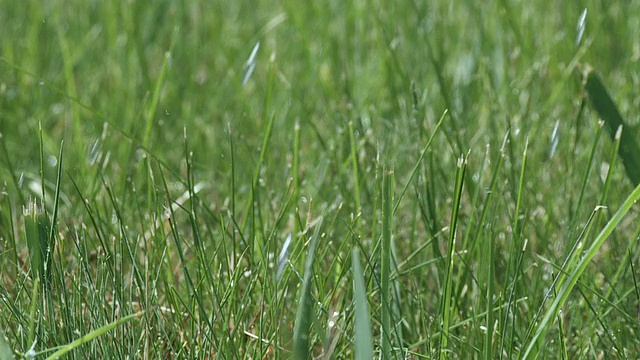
327 180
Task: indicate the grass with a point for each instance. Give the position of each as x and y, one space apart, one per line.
338 180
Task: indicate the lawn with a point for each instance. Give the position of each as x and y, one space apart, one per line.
327 180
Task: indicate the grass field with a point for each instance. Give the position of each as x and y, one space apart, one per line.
339 179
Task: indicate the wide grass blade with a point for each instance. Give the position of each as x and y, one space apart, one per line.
37 228
5 349
605 106
363 337
302 327
576 272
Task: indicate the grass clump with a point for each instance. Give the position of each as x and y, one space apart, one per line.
247 180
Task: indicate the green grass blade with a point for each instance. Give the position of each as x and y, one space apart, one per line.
633 240
608 111
517 247
363 336
385 266
151 112
37 229
92 335
70 80
448 283
51 237
11 169
356 178
304 314
296 170
577 271
32 311
157 91
5 349
261 160
422 155
488 266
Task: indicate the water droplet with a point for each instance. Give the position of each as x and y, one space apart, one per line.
52 161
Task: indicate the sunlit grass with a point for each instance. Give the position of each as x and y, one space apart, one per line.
351 179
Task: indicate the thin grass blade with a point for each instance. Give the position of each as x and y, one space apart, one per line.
576 272
446 304
92 335
385 265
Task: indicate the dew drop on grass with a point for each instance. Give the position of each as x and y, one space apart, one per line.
57 108
52 161
178 186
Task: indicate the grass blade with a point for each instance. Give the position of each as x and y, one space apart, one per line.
151 112
489 265
5 349
446 305
37 228
356 179
422 155
48 264
302 327
92 335
577 271
157 91
605 106
363 337
385 268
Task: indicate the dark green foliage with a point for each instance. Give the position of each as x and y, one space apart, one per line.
602 101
